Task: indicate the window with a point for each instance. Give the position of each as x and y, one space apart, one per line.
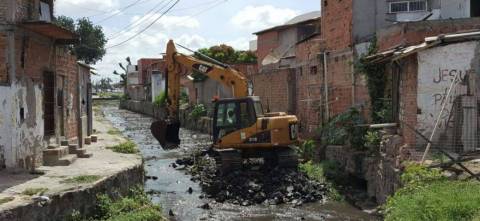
417 6
408 6
313 69
398 7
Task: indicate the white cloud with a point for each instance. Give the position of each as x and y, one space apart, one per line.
167 22
260 17
82 8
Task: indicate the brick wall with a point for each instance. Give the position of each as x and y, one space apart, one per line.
3 58
266 42
408 99
3 11
143 66
34 55
66 65
310 85
272 88
337 21
411 33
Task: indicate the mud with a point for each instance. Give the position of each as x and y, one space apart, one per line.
253 184
176 192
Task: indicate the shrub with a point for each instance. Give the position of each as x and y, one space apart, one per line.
344 128
323 172
136 206
372 140
6 200
198 111
128 147
161 99
307 150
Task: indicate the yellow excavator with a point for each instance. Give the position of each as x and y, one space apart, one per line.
241 129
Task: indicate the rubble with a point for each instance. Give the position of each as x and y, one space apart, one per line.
253 184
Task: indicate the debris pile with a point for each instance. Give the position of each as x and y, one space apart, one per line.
253 184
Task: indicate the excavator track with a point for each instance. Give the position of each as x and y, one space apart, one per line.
228 160
287 158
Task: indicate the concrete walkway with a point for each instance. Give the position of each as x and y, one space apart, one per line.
104 171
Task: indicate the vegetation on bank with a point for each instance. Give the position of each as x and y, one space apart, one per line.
161 99
34 191
427 195
6 200
127 147
135 206
324 172
82 179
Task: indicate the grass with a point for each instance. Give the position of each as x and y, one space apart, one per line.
323 172
427 195
6 200
81 179
128 147
114 131
34 191
440 200
136 206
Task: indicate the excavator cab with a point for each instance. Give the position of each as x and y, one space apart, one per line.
231 115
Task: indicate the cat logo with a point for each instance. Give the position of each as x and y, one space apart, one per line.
202 68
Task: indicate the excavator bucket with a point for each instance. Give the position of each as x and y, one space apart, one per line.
167 133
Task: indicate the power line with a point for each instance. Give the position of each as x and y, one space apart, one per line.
118 12
146 28
145 17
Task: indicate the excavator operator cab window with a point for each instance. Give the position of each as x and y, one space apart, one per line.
230 116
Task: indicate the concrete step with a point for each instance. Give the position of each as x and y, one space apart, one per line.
51 156
88 140
72 148
64 143
66 160
94 138
52 146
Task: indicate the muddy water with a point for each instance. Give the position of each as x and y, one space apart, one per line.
170 190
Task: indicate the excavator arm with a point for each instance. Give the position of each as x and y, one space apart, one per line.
167 131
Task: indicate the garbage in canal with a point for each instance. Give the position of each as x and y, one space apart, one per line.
249 186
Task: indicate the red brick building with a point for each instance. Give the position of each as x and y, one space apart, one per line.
40 88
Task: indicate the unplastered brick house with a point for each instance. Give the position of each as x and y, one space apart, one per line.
349 27
292 73
43 90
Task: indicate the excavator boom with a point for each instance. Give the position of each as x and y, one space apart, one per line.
166 131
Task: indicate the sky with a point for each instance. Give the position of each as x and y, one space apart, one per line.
192 23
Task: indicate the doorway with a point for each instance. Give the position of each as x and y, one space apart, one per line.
61 104
49 103
474 8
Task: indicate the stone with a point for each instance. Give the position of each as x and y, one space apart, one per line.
88 140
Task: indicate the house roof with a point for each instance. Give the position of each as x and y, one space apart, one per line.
307 17
430 42
50 30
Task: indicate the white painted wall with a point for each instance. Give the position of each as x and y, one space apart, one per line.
158 84
436 70
455 9
22 140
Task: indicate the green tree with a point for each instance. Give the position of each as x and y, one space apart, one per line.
228 54
91 45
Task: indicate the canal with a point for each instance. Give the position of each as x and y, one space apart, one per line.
169 186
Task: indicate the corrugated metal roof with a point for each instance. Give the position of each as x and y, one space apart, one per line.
444 39
296 20
304 17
